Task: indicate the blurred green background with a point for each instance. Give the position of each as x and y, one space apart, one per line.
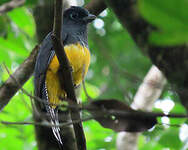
117 68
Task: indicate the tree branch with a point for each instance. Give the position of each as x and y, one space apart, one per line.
10 5
144 100
67 132
111 112
163 57
65 73
150 90
21 75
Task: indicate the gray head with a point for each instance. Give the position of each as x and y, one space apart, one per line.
75 21
77 16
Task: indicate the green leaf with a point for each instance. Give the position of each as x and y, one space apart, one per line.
92 91
98 137
13 46
178 108
20 137
151 145
23 19
8 134
168 38
4 57
148 142
170 16
170 138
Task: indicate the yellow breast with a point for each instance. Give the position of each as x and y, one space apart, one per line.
79 58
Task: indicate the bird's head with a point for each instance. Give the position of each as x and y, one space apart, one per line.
77 16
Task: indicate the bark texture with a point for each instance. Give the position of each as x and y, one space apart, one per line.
148 92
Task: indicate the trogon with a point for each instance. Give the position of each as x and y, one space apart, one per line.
46 79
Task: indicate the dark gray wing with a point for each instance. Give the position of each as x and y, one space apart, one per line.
44 57
41 65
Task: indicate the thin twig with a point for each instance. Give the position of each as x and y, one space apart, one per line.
102 114
85 91
25 103
84 87
22 89
108 112
65 73
46 124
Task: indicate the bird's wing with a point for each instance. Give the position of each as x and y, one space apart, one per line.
41 65
45 56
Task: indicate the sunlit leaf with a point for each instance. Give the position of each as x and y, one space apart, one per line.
170 138
4 54
170 16
178 108
23 19
96 135
169 37
92 91
13 46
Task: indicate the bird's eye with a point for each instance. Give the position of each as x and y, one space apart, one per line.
74 16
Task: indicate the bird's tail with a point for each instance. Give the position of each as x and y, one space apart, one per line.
55 122
53 117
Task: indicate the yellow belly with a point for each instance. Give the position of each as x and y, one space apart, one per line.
79 58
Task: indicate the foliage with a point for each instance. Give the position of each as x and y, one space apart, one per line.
117 67
170 16
17 40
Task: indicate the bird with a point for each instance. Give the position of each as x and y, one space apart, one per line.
46 80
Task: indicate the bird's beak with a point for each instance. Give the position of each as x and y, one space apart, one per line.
89 18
